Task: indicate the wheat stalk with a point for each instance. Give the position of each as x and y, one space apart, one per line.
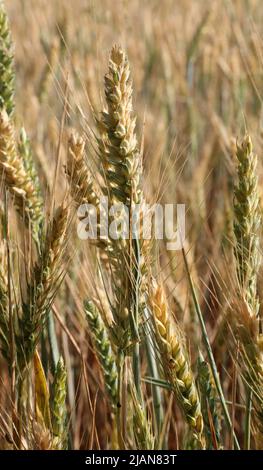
4 329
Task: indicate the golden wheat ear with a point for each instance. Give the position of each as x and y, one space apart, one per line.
175 361
247 226
118 147
17 180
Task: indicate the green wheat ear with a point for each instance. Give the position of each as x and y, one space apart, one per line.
7 73
209 404
58 406
103 349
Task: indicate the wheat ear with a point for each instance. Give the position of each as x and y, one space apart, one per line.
58 407
16 178
121 162
7 74
104 350
209 404
25 152
142 429
175 361
246 229
247 223
118 142
44 283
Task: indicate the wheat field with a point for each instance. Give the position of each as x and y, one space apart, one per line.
112 342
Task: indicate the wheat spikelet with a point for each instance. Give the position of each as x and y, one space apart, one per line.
58 407
7 75
175 361
104 350
16 178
